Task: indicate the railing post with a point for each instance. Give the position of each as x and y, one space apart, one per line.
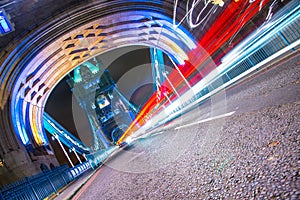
62 175
70 172
55 190
31 187
283 38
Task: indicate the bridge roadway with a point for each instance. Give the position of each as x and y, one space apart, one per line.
251 153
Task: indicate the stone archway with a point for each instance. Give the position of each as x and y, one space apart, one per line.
45 71
31 68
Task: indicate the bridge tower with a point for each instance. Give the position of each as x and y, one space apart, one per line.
108 111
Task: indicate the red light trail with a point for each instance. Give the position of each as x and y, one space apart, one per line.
226 26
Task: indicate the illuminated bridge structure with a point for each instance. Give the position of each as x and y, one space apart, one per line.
32 62
277 38
62 135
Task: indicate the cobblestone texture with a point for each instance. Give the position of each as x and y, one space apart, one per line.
257 154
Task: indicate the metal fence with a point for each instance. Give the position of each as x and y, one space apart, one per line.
287 35
273 40
43 184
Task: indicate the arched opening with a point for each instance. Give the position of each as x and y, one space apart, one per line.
44 72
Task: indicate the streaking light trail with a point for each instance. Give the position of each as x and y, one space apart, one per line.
205 120
198 67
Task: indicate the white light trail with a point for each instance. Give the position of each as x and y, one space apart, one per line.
206 120
166 76
180 72
190 12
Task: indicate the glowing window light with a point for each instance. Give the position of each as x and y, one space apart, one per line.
5 25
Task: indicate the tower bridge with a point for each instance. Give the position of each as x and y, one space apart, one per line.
210 62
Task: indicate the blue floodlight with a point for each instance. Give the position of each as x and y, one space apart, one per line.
5 25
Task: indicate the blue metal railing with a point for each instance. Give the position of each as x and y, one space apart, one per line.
282 37
252 53
43 184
